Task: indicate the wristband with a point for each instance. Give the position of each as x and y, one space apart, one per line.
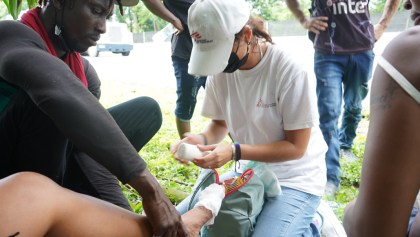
204 138
237 151
233 152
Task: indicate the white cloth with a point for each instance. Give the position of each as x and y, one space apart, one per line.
211 198
188 152
259 104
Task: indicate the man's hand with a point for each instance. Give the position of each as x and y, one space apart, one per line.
189 138
178 26
316 24
161 213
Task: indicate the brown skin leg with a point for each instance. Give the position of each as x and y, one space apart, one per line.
183 127
33 206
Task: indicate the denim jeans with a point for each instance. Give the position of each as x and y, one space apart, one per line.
413 215
340 77
187 87
289 214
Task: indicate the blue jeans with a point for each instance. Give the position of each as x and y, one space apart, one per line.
413 215
340 77
187 87
289 214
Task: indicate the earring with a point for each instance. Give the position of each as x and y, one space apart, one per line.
57 30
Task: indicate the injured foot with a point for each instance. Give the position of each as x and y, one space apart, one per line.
205 210
195 220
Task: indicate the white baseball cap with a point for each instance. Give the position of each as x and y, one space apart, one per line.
213 25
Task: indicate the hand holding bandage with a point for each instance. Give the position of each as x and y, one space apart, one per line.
188 152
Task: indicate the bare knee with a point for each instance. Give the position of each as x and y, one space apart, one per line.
17 192
29 183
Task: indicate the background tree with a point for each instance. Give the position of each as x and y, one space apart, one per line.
140 19
14 7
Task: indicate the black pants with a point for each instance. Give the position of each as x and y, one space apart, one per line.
29 141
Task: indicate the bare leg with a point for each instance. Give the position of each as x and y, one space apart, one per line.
195 219
32 205
183 127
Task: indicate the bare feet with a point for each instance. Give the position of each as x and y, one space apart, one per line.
195 220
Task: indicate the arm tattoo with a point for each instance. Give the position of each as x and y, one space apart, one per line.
15 234
384 101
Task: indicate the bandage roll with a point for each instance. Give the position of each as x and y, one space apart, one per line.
188 152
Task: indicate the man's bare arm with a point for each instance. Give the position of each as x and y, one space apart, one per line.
159 9
390 8
315 24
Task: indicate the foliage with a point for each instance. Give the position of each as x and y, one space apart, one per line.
350 178
3 11
274 10
14 7
140 19
377 6
173 175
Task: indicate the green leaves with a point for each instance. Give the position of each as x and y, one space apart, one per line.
14 7
31 3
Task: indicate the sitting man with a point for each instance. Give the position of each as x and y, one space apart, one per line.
52 123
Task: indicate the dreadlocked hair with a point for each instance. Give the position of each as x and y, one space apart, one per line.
120 7
44 3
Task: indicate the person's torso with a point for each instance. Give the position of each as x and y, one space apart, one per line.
257 105
181 44
350 29
28 38
7 90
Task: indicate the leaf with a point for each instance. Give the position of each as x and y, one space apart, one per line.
6 2
31 3
13 9
18 7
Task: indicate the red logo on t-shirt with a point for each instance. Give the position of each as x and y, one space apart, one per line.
196 36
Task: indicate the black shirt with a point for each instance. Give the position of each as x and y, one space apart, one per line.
26 64
181 44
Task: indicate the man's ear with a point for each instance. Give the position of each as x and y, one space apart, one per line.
58 4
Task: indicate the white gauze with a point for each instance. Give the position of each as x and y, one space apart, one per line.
188 152
211 198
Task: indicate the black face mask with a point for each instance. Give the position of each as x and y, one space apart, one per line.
234 62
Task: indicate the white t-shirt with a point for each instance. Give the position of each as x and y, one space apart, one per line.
260 103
